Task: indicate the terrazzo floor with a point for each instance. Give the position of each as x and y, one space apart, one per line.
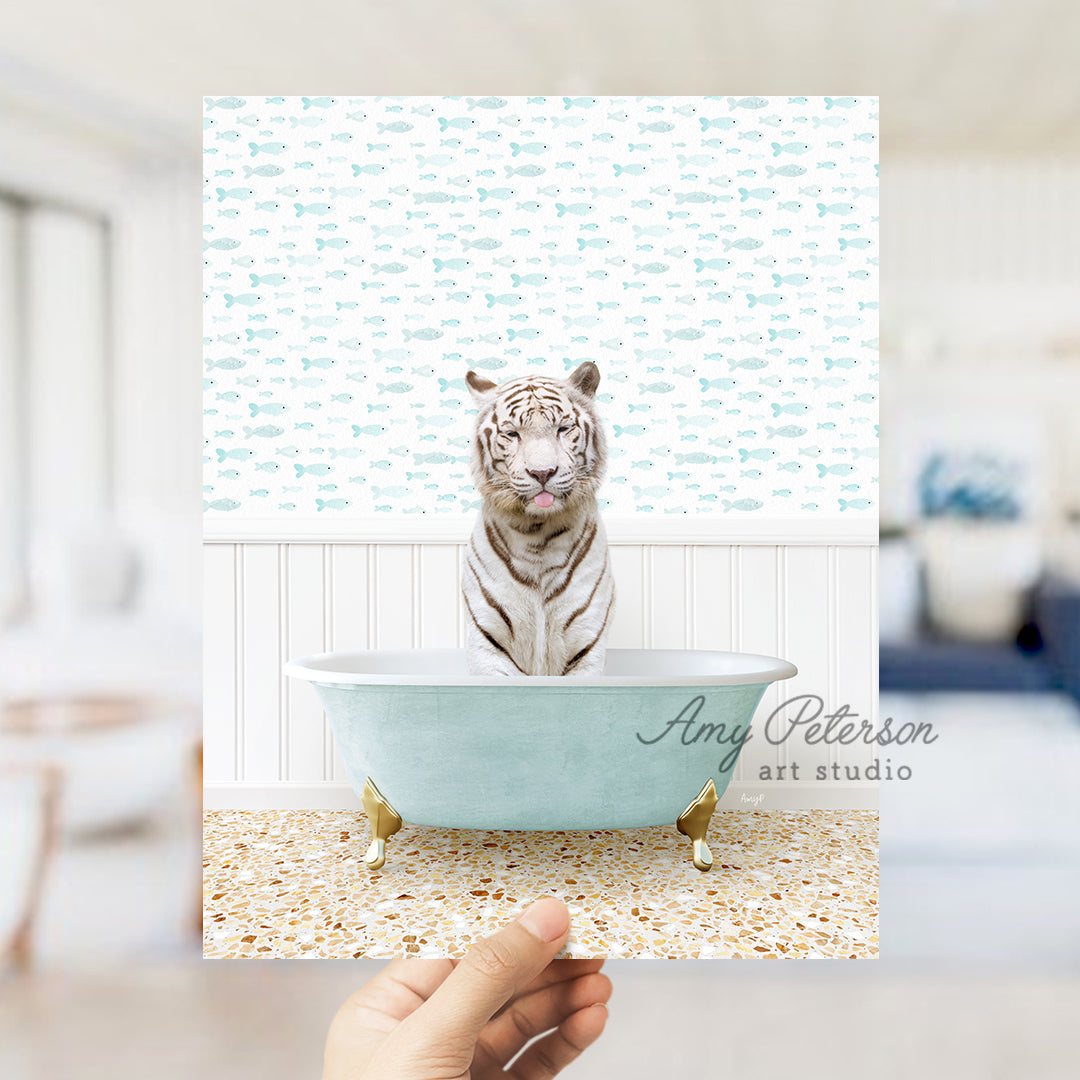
799 884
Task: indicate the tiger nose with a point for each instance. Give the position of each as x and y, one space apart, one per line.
541 476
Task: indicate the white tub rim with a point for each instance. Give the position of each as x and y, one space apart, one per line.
723 669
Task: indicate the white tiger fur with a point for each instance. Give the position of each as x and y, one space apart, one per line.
536 580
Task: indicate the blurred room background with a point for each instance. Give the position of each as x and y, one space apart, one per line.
100 381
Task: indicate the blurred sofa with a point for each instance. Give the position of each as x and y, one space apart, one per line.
1044 656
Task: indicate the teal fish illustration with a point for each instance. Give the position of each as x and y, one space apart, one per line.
784 170
528 148
262 170
318 102
439 457
790 334
246 299
651 268
450 264
635 169
845 363
331 504
221 504
507 299
426 333
312 208
750 363
225 103
240 193
229 363
271 408
394 387
629 429
859 242
318 469
746 243
835 208
757 193
769 299
790 279
267 431
486 103
223 243
574 208
789 431
655 388
240 454
747 103
319 362
793 408
267 279
789 148
456 122
841 469
267 148
846 321
742 504
711 264
840 102
855 504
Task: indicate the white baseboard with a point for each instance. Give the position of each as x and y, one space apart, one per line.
291 795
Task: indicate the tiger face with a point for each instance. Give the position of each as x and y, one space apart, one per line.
539 447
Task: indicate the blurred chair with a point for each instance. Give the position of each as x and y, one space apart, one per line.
29 800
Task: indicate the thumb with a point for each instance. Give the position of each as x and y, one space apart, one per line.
492 972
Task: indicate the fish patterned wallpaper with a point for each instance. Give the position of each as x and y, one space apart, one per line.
715 256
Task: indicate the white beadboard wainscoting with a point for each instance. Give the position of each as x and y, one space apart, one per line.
803 589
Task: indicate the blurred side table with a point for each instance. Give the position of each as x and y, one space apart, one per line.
120 756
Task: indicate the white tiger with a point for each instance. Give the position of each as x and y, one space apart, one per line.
536 578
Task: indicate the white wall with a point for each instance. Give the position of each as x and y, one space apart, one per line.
810 599
981 325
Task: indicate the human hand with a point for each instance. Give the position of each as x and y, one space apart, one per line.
465 1019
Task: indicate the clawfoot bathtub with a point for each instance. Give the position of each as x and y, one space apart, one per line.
652 740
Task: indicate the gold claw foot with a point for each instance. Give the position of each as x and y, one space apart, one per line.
694 822
384 821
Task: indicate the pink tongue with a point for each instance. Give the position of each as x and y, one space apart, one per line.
545 498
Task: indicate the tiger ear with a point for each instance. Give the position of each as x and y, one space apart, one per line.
478 386
585 378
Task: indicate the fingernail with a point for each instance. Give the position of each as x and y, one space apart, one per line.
547 919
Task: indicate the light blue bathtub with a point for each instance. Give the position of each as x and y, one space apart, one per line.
652 740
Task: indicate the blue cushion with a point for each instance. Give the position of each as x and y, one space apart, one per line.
953 665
